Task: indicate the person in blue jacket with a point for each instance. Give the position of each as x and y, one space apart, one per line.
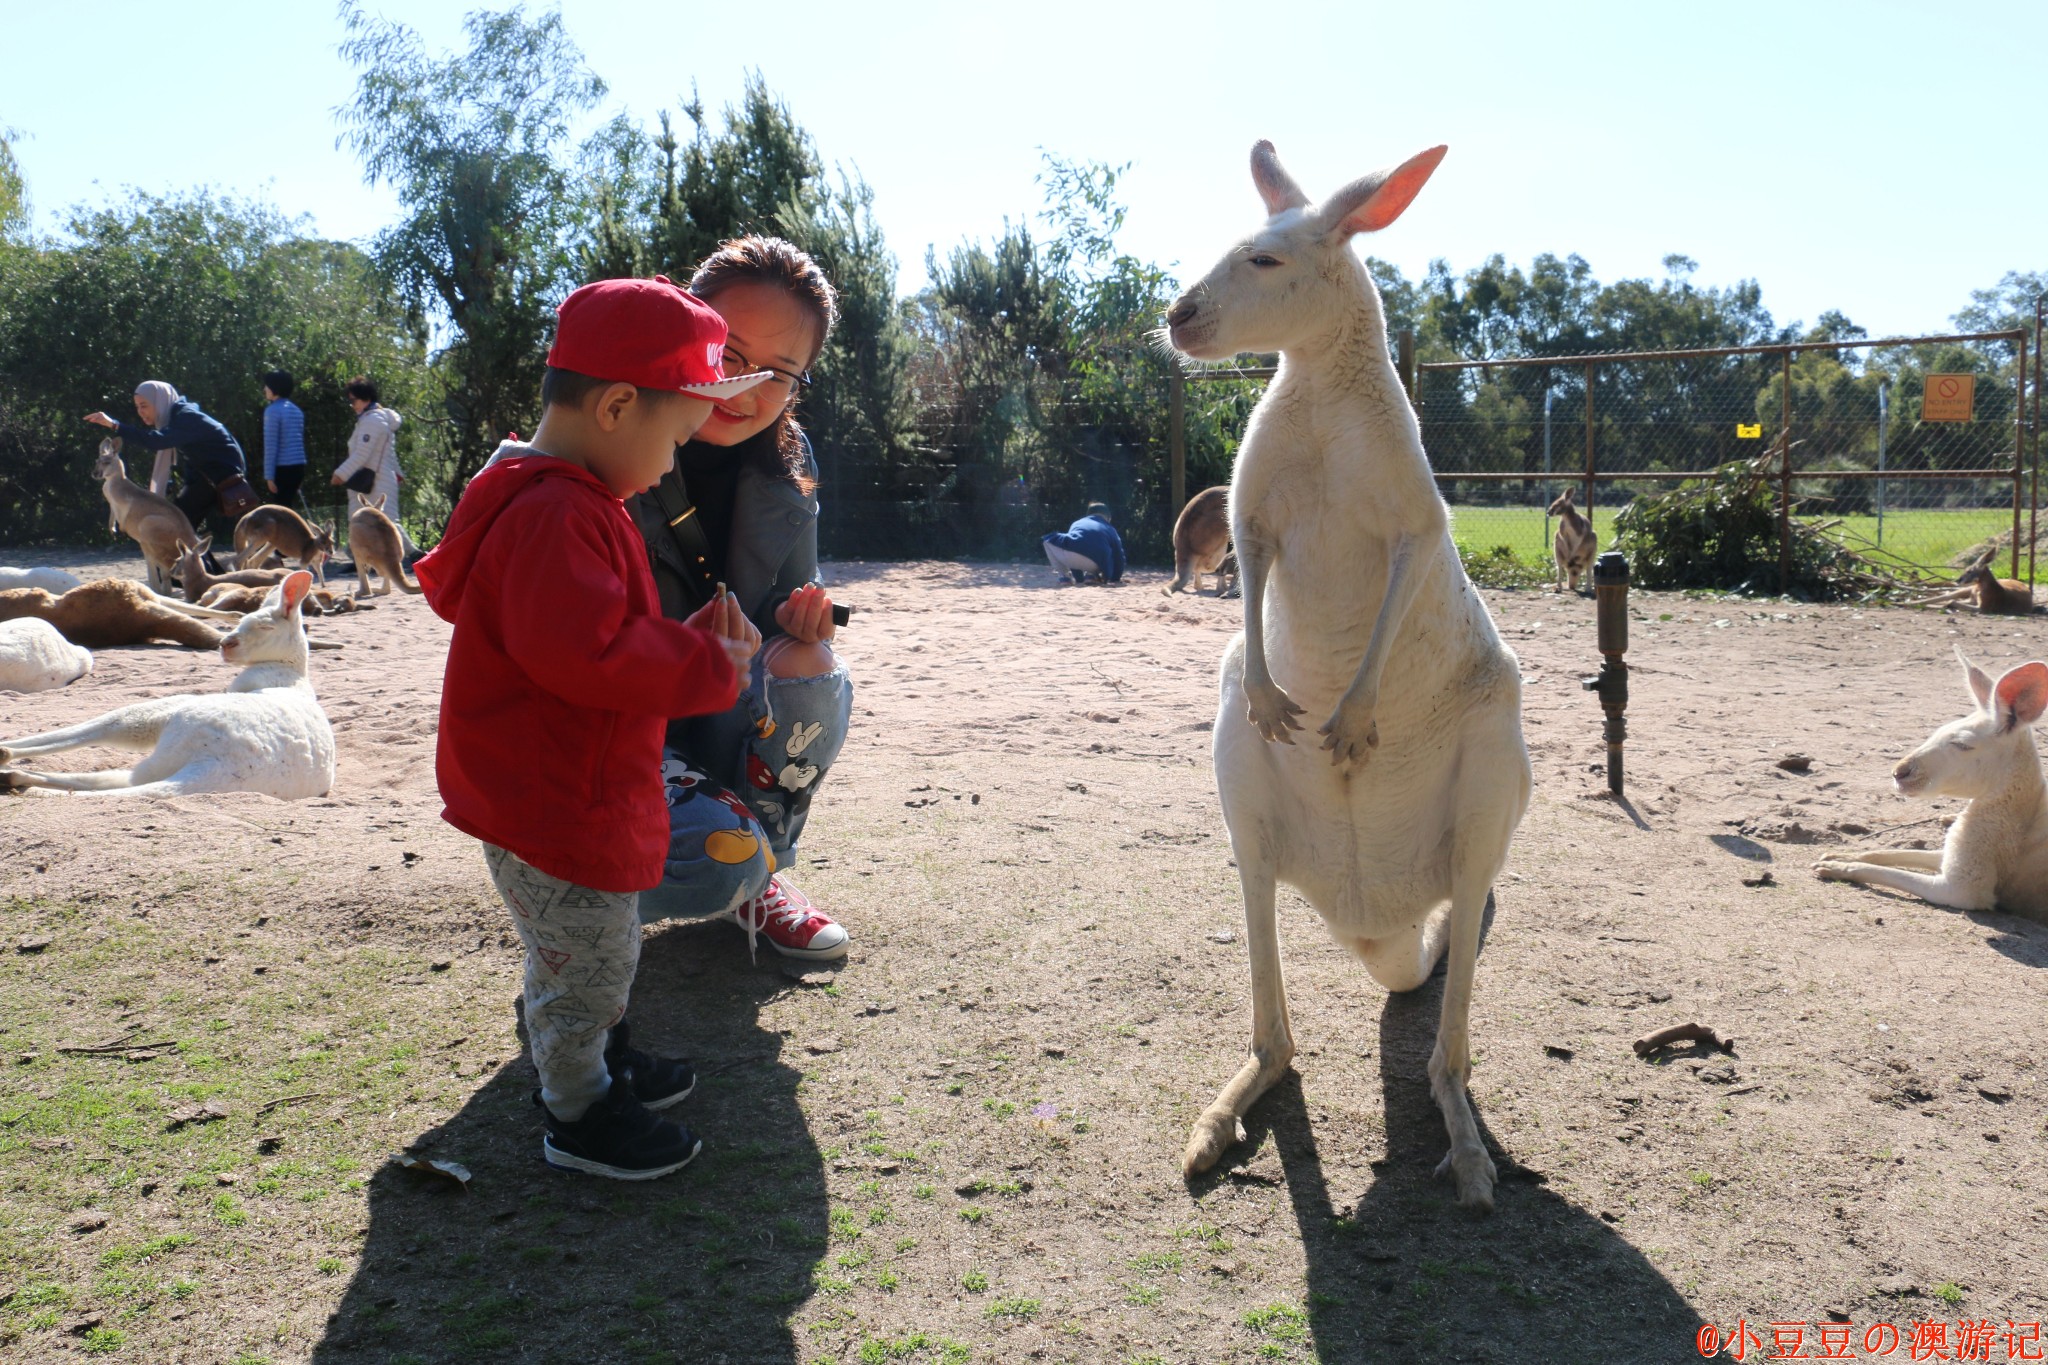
1090 548
207 452
284 438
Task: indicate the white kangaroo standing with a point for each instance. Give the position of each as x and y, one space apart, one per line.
266 733
1357 608
1996 853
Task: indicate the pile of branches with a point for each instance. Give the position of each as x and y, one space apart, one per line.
1720 531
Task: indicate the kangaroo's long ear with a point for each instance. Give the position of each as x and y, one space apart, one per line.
295 586
1276 186
1979 680
2021 695
1371 202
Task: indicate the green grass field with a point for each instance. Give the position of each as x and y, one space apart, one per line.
1928 539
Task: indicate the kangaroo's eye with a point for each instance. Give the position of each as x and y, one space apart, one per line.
1262 260
1958 744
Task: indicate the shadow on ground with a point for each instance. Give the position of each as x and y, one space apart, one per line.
1400 1273
706 1266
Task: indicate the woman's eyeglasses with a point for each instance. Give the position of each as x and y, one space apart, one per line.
735 364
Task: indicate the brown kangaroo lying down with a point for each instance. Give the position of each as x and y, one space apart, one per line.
114 611
1991 596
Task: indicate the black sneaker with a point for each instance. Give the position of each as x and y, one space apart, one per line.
657 1081
618 1138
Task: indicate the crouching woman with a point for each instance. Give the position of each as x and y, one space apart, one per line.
738 507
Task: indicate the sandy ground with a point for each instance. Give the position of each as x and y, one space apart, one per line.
1050 982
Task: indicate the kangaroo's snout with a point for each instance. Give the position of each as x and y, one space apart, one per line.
1181 314
1906 775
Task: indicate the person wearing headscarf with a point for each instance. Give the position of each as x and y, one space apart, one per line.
206 453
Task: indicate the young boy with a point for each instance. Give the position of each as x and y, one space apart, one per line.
562 674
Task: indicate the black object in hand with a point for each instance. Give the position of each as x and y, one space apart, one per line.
841 613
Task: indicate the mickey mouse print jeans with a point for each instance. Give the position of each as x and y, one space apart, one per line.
739 789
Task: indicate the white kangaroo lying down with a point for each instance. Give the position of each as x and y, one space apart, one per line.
35 656
266 733
1996 853
1356 608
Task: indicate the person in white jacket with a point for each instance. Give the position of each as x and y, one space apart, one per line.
373 445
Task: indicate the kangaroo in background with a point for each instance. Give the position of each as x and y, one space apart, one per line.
1356 608
1201 541
270 529
1575 543
1992 596
152 520
375 543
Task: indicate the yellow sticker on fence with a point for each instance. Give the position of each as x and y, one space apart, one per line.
1748 431
1949 398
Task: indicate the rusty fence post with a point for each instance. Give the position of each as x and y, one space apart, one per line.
2034 520
2019 452
1404 362
1177 444
1785 475
1591 466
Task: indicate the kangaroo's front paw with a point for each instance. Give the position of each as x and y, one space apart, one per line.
12 781
1351 733
1272 711
1834 870
1215 1133
1474 1173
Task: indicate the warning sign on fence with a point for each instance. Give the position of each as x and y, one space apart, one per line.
1949 398
1748 431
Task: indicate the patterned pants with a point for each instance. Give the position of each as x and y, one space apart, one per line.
582 947
740 791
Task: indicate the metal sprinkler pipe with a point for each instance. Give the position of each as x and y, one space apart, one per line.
1610 591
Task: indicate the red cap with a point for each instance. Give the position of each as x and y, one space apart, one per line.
648 333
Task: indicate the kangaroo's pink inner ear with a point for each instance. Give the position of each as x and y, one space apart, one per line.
296 586
2023 694
1394 193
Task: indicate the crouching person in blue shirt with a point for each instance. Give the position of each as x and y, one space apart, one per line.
1090 548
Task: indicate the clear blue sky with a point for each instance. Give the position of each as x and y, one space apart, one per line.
1878 157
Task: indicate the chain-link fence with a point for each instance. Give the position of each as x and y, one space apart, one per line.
1913 452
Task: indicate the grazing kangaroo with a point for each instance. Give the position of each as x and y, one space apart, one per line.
1201 540
373 541
109 612
152 520
266 733
270 529
1575 544
1356 608
1996 853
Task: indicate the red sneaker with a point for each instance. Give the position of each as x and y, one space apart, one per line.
792 925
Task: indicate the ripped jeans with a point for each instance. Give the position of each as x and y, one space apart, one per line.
739 790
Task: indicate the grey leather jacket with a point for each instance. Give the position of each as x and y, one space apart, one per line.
774 548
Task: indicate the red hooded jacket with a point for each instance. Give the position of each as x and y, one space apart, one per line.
561 675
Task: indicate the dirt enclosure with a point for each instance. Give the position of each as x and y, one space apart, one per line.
964 1144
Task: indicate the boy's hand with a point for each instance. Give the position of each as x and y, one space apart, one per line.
807 615
722 617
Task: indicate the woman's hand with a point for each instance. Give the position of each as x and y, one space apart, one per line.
334 479
100 419
271 484
807 616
